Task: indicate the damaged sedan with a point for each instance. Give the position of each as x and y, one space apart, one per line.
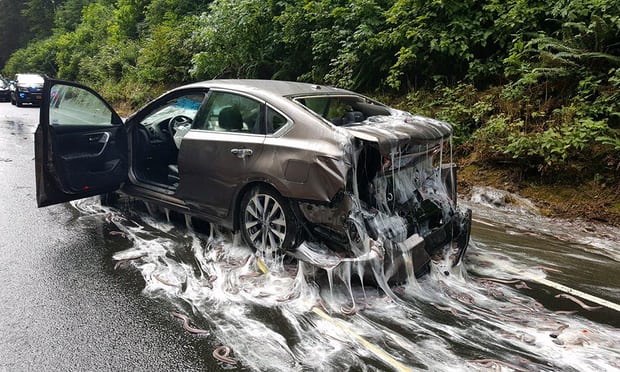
318 173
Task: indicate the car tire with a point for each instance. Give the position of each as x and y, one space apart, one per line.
267 222
12 101
18 103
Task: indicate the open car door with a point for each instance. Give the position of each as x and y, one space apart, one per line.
80 145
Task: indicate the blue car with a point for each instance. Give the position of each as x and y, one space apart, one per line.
27 88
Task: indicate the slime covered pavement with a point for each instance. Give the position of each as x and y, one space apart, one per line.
86 287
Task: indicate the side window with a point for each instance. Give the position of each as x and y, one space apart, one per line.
275 121
71 105
229 112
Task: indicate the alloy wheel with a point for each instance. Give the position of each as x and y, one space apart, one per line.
265 223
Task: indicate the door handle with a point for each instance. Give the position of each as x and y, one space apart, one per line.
99 137
241 153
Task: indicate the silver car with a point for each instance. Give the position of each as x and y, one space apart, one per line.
299 169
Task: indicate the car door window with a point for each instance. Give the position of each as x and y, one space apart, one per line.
229 112
71 105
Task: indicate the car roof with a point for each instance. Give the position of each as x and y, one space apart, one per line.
266 88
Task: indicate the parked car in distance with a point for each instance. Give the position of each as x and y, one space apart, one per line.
5 92
298 169
27 88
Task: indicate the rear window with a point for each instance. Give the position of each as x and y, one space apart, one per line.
343 110
29 79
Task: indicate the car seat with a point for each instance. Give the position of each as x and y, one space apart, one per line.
230 119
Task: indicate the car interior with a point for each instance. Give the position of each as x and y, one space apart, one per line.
154 148
343 110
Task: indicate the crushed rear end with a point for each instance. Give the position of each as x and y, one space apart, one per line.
400 203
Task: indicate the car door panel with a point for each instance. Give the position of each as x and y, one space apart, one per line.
214 166
88 157
80 145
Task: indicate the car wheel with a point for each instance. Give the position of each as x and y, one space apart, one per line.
267 222
12 100
18 103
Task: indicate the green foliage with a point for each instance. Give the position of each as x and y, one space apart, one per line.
532 82
83 43
69 14
166 54
13 28
38 56
40 15
437 41
128 19
555 146
235 39
461 105
170 11
354 56
109 64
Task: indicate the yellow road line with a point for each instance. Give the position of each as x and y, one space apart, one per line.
376 350
379 352
576 292
563 288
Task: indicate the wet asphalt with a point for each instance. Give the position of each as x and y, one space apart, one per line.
63 307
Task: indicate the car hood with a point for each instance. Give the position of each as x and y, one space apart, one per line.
391 132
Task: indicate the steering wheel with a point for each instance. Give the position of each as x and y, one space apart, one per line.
178 121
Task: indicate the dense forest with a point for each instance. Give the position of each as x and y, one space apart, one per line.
529 84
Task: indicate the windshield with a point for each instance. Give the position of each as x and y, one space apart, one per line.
343 110
30 79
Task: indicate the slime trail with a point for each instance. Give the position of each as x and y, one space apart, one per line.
123 261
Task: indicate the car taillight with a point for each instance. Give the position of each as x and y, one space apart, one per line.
387 163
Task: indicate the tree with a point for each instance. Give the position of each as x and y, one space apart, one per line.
13 28
69 14
40 15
